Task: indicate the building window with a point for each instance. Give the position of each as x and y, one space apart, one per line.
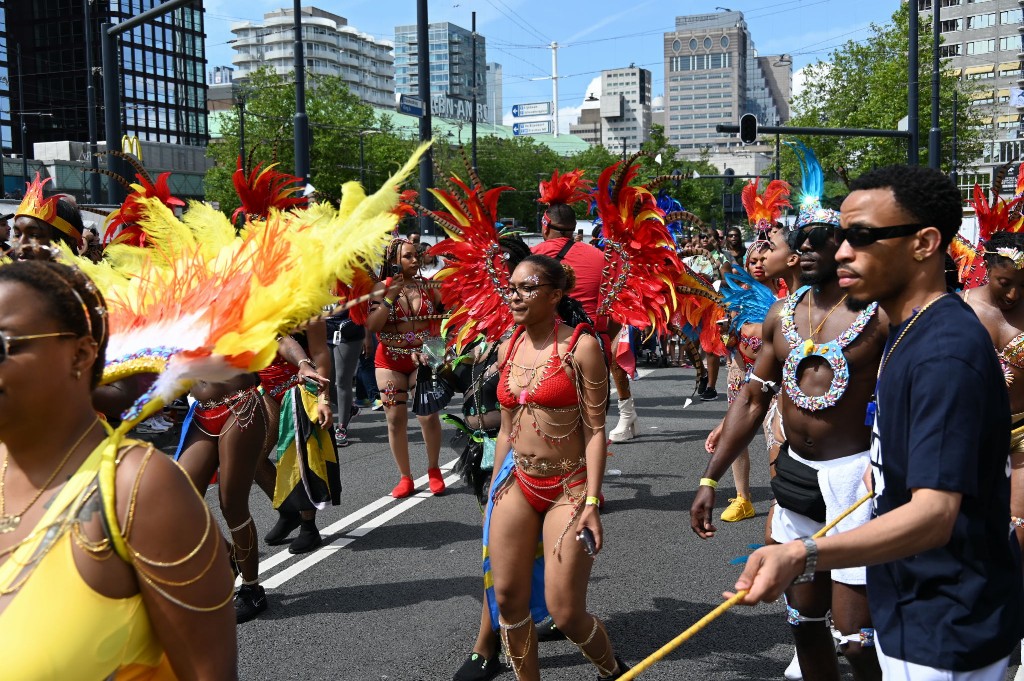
983 46
950 50
1010 43
693 44
707 43
676 45
952 25
981 21
725 41
1011 16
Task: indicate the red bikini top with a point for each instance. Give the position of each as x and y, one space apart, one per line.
554 389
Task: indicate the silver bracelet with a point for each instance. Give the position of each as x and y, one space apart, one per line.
811 561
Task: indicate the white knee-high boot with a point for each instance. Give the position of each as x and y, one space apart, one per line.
626 428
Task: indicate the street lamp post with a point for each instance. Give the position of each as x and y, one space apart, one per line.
301 119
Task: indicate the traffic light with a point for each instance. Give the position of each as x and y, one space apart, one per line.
748 128
729 172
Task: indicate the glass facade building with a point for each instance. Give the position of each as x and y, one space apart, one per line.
450 52
162 67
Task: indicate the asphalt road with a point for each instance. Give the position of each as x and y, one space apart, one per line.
395 593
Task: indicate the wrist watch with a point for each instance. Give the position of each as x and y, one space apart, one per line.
810 562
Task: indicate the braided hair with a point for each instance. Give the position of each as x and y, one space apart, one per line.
73 301
393 254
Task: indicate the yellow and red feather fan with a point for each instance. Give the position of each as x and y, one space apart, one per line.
567 188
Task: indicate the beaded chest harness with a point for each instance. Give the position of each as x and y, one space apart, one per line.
831 352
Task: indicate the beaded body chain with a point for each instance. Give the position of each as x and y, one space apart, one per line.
831 352
1012 355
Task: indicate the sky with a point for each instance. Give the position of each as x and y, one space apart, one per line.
592 36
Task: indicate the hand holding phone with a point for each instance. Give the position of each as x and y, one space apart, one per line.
587 537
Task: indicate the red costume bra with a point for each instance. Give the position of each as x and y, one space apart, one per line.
554 389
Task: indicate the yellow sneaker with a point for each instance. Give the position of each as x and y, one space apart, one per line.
739 508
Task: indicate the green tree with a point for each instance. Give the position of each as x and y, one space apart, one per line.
864 85
337 122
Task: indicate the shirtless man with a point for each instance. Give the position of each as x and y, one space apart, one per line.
822 410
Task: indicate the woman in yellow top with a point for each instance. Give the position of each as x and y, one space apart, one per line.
118 576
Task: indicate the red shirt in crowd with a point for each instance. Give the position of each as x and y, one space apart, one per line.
587 262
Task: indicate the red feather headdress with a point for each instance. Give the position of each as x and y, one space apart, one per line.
640 262
997 216
567 188
122 226
476 274
265 188
764 210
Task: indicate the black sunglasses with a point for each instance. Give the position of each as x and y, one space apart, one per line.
818 235
5 340
859 237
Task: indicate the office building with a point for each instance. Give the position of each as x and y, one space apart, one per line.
982 42
331 48
162 67
714 75
493 91
450 50
625 108
5 94
588 125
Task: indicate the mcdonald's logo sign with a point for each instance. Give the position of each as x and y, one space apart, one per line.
130 145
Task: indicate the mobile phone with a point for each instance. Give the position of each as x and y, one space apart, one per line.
587 537
395 270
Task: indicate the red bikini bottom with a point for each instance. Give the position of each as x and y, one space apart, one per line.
536 490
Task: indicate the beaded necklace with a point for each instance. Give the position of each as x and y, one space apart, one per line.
831 352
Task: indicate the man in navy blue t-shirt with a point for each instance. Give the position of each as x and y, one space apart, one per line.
944 579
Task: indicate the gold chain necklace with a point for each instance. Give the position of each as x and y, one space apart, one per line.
9 523
532 370
885 360
809 344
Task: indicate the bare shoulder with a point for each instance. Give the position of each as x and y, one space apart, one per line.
154 489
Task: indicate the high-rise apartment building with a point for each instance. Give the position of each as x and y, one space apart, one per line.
714 75
493 90
5 88
330 46
449 51
982 41
162 64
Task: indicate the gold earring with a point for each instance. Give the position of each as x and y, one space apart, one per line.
78 374
918 257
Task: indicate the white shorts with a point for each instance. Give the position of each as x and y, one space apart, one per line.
898 670
841 485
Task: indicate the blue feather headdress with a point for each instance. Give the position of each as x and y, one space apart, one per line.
812 189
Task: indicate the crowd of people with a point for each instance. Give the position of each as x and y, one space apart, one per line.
877 349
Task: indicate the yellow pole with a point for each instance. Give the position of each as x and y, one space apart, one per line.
708 618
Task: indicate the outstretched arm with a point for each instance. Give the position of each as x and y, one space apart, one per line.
741 423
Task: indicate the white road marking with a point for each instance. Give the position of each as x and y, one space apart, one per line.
337 526
329 550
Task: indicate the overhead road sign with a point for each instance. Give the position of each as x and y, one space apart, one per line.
533 109
410 106
532 128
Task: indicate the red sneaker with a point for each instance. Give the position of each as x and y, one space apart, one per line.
403 489
436 481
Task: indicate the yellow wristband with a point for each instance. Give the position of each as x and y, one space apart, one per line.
708 482
592 501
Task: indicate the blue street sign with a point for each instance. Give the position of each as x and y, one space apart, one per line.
533 109
532 128
410 105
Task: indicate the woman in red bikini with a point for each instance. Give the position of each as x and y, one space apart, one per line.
553 391
401 318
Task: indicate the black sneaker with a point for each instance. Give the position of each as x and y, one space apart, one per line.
619 673
308 539
250 601
341 437
702 384
547 631
709 395
478 668
286 524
